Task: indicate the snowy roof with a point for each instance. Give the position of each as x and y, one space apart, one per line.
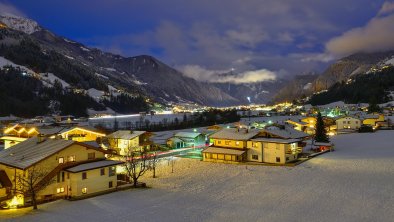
187 134
50 130
235 134
286 133
275 140
223 151
93 165
125 134
29 152
322 144
347 117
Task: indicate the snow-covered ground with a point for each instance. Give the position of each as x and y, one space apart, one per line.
354 183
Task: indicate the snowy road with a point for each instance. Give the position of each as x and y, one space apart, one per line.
355 183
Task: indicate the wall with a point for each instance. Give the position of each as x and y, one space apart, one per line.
350 123
94 182
229 143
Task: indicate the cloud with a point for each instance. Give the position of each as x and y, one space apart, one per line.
376 35
386 8
227 76
8 9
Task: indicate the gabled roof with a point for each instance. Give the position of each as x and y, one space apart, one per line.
30 152
187 134
285 133
125 134
235 134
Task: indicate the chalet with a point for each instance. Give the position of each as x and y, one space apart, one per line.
122 140
186 139
18 133
75 169
348 123
273 150
373 120
229 145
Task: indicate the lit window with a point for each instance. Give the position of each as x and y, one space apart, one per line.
61 160
60 190
84 190
111 171
237 143
71 159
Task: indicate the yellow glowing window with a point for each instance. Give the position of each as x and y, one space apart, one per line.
84 190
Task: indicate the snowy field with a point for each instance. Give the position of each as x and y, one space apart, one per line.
354 183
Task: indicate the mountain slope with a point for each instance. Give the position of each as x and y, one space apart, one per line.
84 67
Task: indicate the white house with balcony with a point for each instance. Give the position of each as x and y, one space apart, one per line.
348 123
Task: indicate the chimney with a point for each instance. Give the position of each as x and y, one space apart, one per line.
41 138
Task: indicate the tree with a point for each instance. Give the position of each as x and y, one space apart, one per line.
136 163
320 134
32 181
373 107
153 163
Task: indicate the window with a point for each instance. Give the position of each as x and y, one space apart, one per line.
348 122
84 176
61 160
102 171
91 156
255 157
356 122
219 142
227 142
71 158
287 158
111 171
237 143
60 190
278 159
110 184
344 122
84 190
62 176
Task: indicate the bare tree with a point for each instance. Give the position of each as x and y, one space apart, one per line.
32 181
136 163
153 163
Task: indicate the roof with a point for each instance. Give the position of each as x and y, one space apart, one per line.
286 133
344 117
86 128
187 134
50 130
13 138
213 149
235 134
93 165
299 122
275 140
125 134
30 152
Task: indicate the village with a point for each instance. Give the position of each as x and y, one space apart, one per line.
50 158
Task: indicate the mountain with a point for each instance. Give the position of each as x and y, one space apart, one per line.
299 87
375 86
258 93
342 71
26 43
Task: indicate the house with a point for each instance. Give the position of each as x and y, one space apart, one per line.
186 139
75 168
273 150
373 120
229 145
18 133
122 140
348 123
276 144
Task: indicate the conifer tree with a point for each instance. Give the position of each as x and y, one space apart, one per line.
321 135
